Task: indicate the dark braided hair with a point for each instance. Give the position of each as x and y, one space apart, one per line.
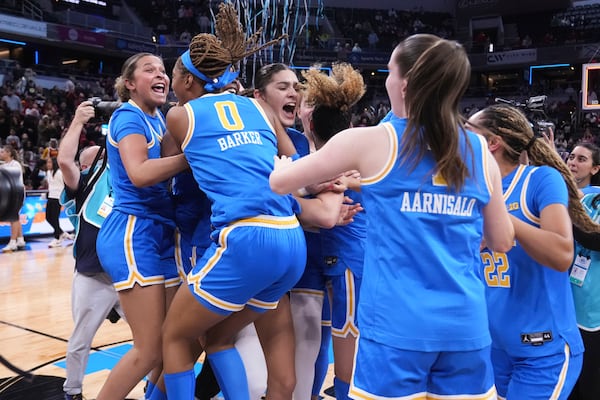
515 130
214 54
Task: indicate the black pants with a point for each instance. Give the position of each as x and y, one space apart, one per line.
52 214
588 384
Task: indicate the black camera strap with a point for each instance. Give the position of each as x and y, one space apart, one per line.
90 179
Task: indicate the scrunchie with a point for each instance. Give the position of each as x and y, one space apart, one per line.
530 143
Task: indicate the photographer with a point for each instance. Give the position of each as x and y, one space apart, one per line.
9 156
87 199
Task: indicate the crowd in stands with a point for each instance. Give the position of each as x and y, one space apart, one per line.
33 119
366 29
32 116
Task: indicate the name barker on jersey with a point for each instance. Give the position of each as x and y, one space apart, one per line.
437 203
238 139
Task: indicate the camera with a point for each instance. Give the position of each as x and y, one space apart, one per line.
534 109
12 194
542 127
104 108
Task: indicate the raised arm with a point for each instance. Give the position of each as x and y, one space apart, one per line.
69 145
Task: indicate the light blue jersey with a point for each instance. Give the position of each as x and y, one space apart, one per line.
532 316
343 247
591 189
530 305
192 217
151 201
136 242
420 289
230 162
258 251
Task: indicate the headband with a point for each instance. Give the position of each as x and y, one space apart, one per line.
212 84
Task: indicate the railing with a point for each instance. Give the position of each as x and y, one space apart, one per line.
32 11
100 24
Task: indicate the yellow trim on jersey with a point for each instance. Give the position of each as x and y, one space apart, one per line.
174 282
134 275
391 158
261 110
513 183
191 125
266 305
311 292
151 143
222 304
155 135
110 138
194 279
178 256
357 393
486 165
523 200
563 375
349 326
489 395
268 221
128 242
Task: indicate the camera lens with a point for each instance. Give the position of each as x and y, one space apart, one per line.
11 195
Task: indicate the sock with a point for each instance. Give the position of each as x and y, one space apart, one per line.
157 394
230 373
341 389
149 388
180 385
322 363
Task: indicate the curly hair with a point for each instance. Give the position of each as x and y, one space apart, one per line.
214 54
342 89
332 97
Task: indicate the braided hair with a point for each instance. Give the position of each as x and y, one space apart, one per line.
515 130
213 55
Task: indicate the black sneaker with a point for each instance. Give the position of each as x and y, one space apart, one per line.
330 391
73 396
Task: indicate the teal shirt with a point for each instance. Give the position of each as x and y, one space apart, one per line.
587 296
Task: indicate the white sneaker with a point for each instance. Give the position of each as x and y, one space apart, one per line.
67 236
11 246
21 243
55 243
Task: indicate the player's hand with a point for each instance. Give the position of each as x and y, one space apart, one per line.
281 162
348 211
